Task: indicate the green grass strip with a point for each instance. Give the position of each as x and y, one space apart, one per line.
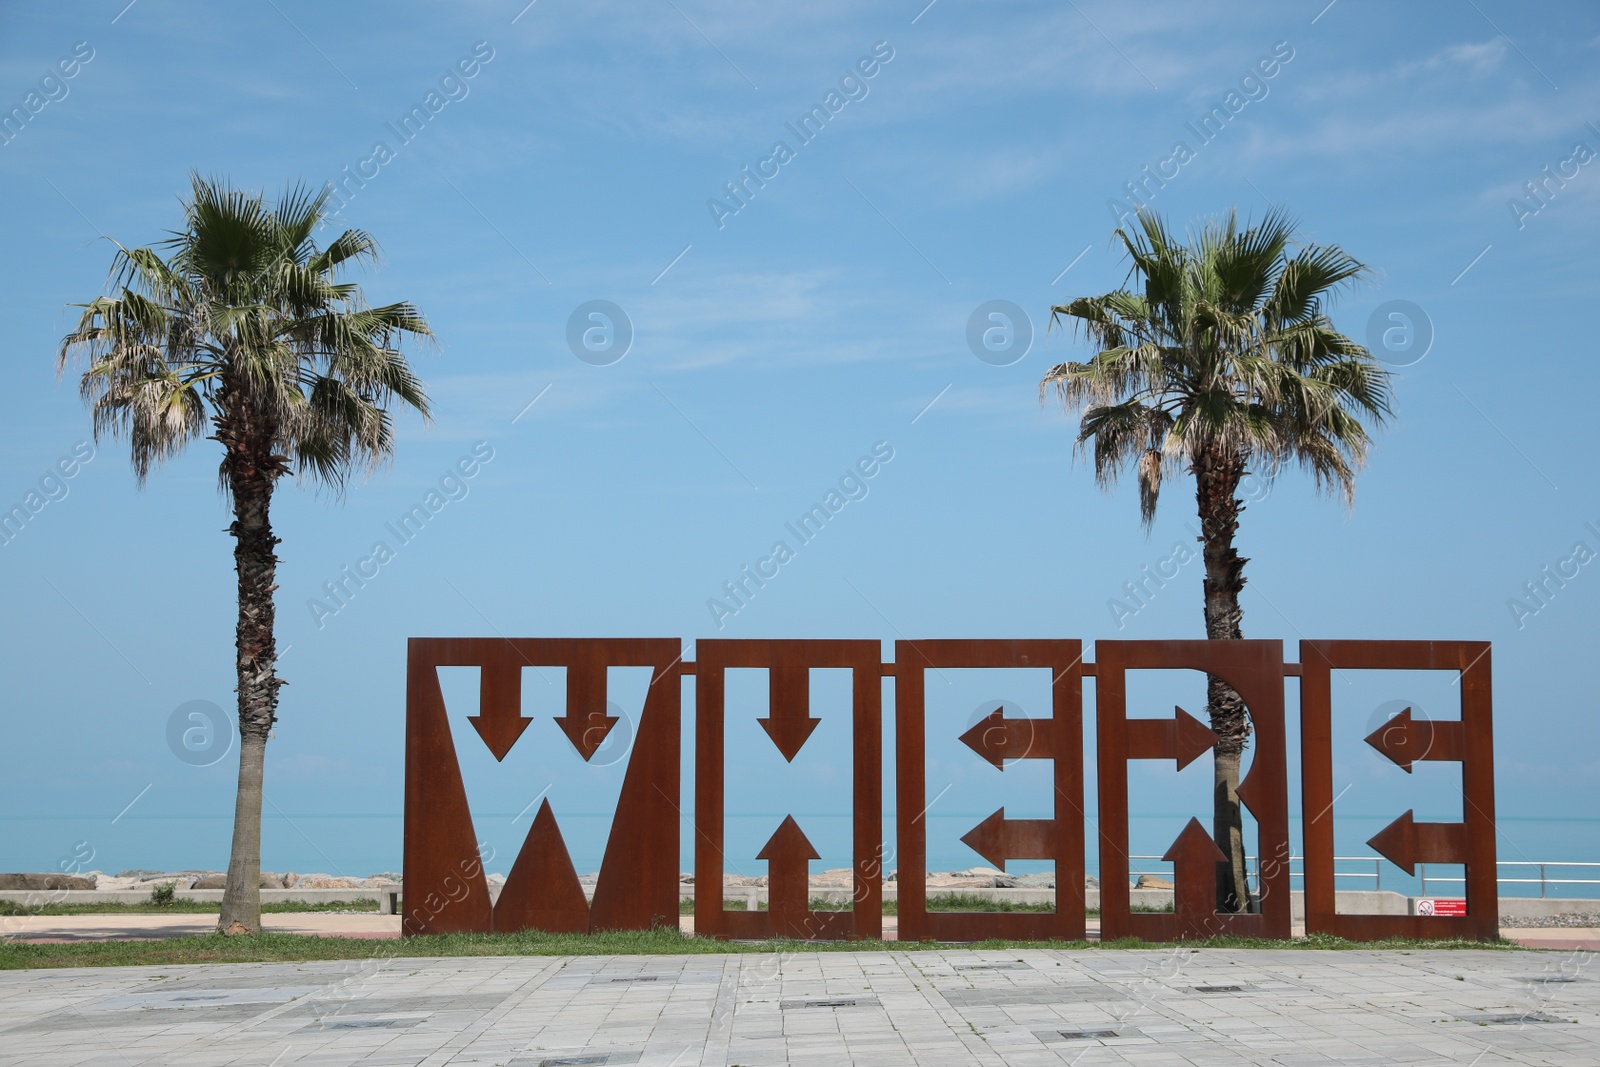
283 948
182 907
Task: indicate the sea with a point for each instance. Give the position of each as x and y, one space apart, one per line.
359 845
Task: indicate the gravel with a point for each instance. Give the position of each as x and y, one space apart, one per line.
1566 920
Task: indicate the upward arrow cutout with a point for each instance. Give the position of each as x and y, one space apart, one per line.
788 721
1194 857
499 720
788 854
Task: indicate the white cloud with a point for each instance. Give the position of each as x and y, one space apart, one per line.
1475 59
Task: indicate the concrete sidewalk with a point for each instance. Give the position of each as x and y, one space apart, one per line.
1288 1008
47 929
145 927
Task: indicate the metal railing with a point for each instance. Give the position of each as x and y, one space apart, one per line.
1544 881
1296 863
1296 871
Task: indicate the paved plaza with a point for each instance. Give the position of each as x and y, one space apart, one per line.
1293 1007
145 926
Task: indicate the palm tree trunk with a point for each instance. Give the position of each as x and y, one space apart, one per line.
251 469
1217 474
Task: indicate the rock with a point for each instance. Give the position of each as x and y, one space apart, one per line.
325 881
1091 882
1564 920
1150 881
45 881
978 872
971 878
220 881
978 878
178 879
686 879
107 882
836 878
290 879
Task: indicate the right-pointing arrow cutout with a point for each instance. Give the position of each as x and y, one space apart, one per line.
1182 738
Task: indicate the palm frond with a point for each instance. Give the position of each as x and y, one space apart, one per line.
1221 345
240 311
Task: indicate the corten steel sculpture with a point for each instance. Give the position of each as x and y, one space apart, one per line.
1255 671
446 890
996 739
1468 741
789 723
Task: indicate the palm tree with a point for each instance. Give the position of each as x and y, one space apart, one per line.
245 333
1219 361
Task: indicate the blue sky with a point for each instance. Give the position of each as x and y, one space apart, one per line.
772 347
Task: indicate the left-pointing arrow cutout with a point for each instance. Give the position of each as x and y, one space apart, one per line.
997 738
998 839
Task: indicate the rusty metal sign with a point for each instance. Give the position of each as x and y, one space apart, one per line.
637 887
446 889
789 724
1403 740
1255 671
998 839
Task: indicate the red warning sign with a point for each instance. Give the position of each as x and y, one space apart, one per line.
1443 906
